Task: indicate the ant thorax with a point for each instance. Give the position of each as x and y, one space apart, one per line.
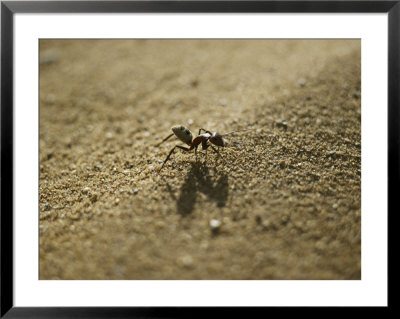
182 133
202 138
206 135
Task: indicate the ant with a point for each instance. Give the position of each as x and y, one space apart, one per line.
186 136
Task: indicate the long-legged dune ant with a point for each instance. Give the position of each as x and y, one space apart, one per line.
186 136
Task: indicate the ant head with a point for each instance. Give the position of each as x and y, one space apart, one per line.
182 133
217 139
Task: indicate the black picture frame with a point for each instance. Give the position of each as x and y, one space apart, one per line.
9 8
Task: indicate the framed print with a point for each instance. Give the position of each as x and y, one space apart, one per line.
163 155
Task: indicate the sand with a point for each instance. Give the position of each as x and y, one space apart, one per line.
283 202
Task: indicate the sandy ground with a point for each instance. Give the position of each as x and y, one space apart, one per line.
287 193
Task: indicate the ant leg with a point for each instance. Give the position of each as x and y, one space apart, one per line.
206 131
165 139
170 153
216 151
204 146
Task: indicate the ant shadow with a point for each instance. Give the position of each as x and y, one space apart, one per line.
198 179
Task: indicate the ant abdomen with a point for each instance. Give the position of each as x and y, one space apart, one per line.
182 133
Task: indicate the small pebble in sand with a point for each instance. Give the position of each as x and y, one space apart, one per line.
215 225
335 206
266 224
281 123
301 82
93 197
187 261
109 135
85 190
128 142
135 191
